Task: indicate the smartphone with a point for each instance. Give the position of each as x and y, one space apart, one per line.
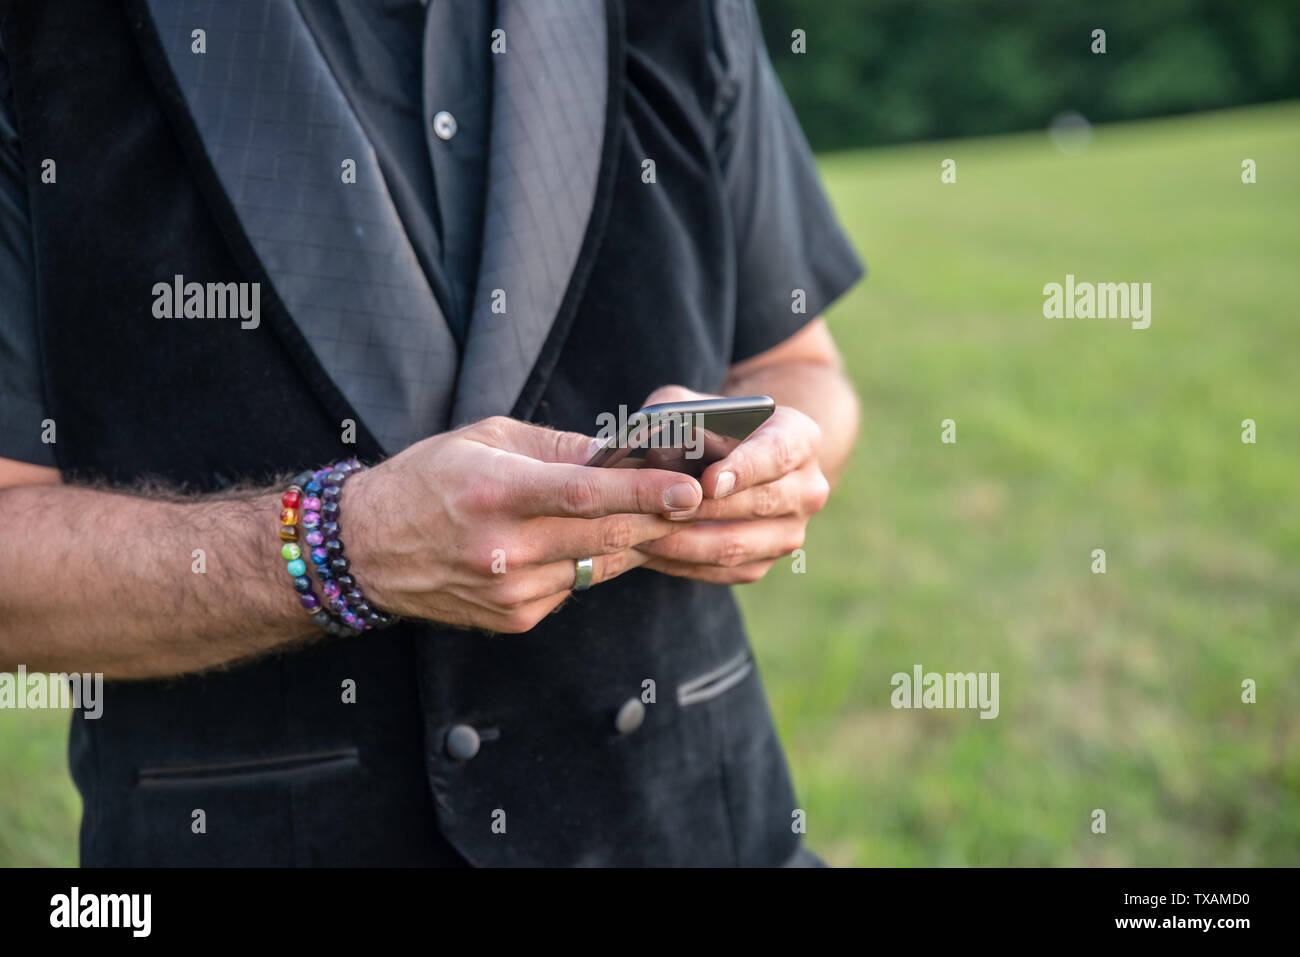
684 436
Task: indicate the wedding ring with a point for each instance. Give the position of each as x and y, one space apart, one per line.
584 568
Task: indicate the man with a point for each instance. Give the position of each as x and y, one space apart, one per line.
443 239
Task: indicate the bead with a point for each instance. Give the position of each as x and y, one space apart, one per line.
313 487
334 546
330 492
329 529
346 581
288 533
314 538
324 573
310 519
353 596
339 605
297 568
301 479
302 584
310 601
340 565
311 503
319 474
291 498
289 516
335 478
290 551
322 618
331 589
319 556
362 608
330 511
376 620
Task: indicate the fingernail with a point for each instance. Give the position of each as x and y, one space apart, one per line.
681 495
726 483
683 516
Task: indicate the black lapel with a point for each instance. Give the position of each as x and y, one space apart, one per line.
268 129
557 103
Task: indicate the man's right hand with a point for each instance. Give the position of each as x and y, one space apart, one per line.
481 527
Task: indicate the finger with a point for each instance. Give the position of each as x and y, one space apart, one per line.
675 393
714 575
557 578
535 441
525 617
575 491
730 544
604 568
568 538
607 567
769 500
780 445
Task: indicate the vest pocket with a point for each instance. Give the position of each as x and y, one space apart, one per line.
713 683
258 769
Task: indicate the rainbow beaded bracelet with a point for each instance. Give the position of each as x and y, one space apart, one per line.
316 507
291 552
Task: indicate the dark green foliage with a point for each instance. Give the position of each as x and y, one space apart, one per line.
879 71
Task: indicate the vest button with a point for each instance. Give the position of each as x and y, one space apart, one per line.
630 716
461 742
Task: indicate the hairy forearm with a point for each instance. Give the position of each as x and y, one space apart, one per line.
817 389
135 587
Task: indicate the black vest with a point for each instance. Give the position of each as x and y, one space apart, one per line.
285 772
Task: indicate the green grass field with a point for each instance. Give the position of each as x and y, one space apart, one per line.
1119 691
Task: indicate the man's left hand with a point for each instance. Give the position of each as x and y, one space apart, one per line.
757 501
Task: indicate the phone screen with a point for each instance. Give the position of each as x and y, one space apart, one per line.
684 436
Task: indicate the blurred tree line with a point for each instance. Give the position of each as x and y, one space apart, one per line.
879 71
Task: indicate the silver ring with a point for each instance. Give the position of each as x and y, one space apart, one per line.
584 568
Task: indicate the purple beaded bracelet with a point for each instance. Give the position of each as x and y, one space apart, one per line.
320 518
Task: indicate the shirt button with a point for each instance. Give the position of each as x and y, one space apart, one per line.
630 716
461 742
444 124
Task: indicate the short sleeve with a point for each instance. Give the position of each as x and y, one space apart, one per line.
787 236
21 402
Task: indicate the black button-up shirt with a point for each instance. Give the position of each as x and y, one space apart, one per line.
418 74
